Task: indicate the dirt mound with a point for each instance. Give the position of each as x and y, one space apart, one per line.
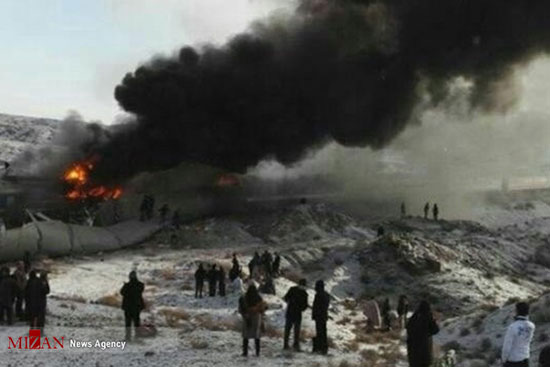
304 223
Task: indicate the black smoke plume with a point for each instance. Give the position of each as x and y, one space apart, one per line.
354 72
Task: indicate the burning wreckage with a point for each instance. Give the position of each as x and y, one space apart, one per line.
108 215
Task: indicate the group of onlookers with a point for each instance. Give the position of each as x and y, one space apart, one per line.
435 210
24 290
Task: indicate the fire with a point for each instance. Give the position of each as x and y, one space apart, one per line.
77 177
228 180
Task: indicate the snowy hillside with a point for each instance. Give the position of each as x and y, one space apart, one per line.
18 133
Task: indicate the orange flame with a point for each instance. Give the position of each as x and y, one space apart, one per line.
77 177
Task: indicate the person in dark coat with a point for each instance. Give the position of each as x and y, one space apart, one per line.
163 211
296 299
403 210
267 260
27 261
544 357
132 303
435 211
402 310
256 261
35 299
252 308
319 314
200 276
20 277
8 291
420 329
221 281
386 309
235 269
176 219
276 265
212 280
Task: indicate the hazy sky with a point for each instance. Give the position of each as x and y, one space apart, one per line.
61 55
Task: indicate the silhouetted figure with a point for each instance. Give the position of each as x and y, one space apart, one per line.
319 314
255 261
20 277
176 219
151 207
143 208
386 319
163 211
200 276
544 357
277 265
402 310
221 281
296 299
8 291
403 210
252 308
426 210
35 299
420 329
517 341
27 261
380 231
267 260
235 268
435 211
132 303
212 280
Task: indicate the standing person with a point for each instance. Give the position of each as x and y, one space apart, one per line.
20 277
35 299
212 280
403 210
267 260
517 341
221 281
8 290
132 303
386 309
238 287
426 210
435 211
402 310
544 357
235 268
44 300
256 261
200 275
252 308
319 314
27 261
296 299
420 329
176 219
276 265
163 211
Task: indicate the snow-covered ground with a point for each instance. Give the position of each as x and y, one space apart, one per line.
470 272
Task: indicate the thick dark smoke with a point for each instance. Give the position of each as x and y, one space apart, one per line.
354 72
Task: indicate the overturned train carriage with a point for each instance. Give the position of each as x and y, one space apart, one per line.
56 238
195 190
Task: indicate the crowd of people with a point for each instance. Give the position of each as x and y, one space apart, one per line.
23 295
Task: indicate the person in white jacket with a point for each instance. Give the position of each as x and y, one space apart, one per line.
517 341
